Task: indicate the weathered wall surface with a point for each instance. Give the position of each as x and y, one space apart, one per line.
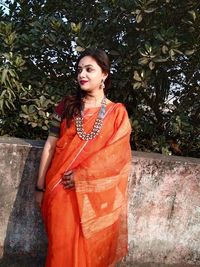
164 209
164 206
21 228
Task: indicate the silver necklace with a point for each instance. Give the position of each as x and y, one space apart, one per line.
97 125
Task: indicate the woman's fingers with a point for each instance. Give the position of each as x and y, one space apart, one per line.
69 185
68 180
67 176
38 198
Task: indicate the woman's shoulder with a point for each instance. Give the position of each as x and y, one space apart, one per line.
117 106
60 106
118 112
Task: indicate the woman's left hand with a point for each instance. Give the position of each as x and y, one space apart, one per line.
68 180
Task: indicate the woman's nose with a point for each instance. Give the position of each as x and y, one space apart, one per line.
82 74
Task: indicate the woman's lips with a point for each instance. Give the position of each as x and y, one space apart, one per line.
83 82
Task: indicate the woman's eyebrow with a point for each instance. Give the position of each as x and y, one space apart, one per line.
89 65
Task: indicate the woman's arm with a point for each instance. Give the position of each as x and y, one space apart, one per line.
45 161
46 158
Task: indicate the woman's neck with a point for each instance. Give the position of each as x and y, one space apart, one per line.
93 99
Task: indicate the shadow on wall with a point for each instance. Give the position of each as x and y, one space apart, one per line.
25 241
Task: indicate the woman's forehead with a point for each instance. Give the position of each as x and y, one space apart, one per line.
87 60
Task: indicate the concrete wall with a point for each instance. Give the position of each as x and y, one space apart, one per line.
21 230
164 206
164 213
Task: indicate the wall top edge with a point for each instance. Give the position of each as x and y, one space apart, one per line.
161 157
21 142
135 154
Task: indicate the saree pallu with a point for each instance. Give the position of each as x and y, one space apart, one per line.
87 227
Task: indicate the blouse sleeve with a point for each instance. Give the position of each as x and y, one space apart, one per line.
56 118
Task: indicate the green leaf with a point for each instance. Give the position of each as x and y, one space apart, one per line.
193 14
172 53
7 104
4 75
137 85
148 47
12 104
79 49
76 27
1 106
114 53
189 52
161 60
31 109
41 113
137 76
150 10
178 51
9 40
45 128
139 18
151 65
143 52
143 61
166 151
165 49
42 100
24 109
34 124
137 11
3 93
12 73
19 61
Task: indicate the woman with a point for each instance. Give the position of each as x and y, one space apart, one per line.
83 173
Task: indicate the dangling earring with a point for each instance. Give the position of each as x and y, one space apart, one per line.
102 85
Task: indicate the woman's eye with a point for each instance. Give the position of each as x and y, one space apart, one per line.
79 70
89 69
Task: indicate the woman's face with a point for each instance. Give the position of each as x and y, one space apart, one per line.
90 74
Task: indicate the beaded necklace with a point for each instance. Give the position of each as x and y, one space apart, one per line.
97 125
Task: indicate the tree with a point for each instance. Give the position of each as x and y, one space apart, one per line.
154 49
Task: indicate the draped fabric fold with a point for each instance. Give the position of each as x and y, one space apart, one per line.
87 227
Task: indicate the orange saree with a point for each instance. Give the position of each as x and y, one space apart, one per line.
87 227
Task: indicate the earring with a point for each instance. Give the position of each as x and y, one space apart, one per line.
102 85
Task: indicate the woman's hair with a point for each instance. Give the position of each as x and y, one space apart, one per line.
74 104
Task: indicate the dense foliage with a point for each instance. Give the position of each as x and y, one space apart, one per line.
154 46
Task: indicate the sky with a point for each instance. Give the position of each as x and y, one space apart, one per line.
2 4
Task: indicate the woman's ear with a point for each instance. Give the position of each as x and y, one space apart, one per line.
105 75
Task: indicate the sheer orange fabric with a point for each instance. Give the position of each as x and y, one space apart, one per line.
87 227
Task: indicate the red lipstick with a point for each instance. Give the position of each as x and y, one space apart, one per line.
82 82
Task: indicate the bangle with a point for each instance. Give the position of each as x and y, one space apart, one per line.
39 189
